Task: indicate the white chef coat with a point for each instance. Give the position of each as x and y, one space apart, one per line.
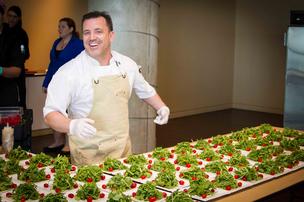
71 86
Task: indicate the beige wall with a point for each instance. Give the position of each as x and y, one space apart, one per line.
222 54
196 55
213 54
259 70
40 20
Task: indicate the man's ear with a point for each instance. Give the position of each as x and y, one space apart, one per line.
112 36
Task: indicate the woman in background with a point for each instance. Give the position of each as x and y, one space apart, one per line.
65 48
14 21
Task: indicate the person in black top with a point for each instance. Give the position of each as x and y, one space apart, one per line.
14 20
11 63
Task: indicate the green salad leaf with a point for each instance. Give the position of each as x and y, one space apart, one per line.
216 166
148 191
119 183
179 196
25 191
291 145
63 181
62 163
85 173
32 174
201 186
166 179
113 164
186 159
161 166
209 155
160 153
18 154
88 190
41 160
118 197
136 159
5 181
51 197
225 180
183 147
202 145
193 173
269 167
138 171
238 161
248 174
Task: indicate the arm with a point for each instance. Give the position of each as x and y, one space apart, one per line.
155 101
57 121
163 111
11 72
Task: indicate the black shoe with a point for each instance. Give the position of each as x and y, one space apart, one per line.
53 149
64 153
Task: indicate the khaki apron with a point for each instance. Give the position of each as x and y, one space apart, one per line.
110 112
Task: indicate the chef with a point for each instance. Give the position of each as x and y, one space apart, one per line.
95 88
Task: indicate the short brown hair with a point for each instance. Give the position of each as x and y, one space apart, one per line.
97 14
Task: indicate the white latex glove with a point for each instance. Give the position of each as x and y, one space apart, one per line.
82 127
162 115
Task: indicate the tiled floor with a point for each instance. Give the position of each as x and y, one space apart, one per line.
207 125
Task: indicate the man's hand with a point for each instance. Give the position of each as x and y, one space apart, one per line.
82 127
163 115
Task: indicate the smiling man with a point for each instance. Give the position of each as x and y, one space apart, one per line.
95 88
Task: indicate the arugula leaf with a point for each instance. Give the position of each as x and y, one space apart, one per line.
166 179
137 171
63 181
51 197
32 174
25 191
269 167
41 160
5 181
160 153
90 171
148 191
248 174
18 154
179 196
183 148
119 183
161 166
238 160
113 164
225 180
194 172
186 158
216 166
136 159
209 155
62 163
298 155
118 197
201 186
88 190
202 145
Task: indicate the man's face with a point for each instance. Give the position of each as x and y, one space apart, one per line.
12 18
97 37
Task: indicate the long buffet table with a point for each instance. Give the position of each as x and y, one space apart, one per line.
246 191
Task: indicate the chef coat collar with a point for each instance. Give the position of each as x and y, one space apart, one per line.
113 61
